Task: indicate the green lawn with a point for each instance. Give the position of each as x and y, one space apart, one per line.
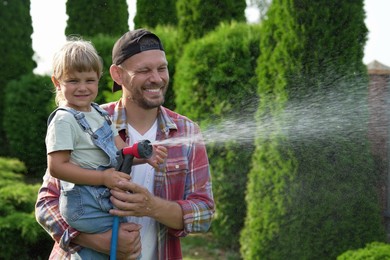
202 247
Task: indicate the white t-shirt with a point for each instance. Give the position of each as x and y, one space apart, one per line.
143 174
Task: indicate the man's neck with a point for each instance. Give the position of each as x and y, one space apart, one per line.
140 119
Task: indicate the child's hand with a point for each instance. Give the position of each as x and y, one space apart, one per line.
111 178
160 153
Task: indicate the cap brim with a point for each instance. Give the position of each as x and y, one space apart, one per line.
116 87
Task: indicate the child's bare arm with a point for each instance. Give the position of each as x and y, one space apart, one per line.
61 168
119 143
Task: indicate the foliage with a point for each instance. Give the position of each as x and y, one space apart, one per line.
90 18
197 18
219 72
203 247
16 51
374 251
104 45
152 13
312 191
21 235
28 102
169 38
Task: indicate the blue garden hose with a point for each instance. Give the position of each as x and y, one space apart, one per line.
114 238
125 157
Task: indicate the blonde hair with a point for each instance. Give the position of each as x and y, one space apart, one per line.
76 55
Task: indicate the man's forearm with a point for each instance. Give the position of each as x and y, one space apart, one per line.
129 241
168 213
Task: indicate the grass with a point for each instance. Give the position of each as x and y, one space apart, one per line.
202 247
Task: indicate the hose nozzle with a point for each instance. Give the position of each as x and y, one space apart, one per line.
142 149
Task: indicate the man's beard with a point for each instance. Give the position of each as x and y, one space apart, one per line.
147 103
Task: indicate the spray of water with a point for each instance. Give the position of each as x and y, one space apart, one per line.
218 134
313 117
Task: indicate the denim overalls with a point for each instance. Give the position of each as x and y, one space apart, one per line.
84 207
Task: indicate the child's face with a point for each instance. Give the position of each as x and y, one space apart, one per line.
79 89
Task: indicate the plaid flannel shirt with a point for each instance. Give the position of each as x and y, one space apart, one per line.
184 178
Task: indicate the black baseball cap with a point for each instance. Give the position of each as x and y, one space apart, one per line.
130 44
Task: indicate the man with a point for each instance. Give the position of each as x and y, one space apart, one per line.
167 203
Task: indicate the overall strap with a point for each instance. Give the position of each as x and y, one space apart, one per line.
102 112
52 114
80 118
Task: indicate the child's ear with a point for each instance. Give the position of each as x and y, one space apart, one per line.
115 74
56 83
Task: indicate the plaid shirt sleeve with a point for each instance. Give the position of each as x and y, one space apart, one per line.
198 205
196 199
48 216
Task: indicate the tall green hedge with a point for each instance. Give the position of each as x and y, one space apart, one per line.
215 85
312 192
197 18
152 13
28 103
90 18
16 51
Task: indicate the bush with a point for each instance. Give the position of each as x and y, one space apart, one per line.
313 188
372 251
28 103
215 85
20 235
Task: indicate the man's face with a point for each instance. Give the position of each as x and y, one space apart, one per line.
145 78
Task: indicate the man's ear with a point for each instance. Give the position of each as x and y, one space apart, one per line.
116 74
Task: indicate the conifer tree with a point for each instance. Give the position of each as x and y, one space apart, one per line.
312 192
196 18
215 85
151 13
16 51
90 18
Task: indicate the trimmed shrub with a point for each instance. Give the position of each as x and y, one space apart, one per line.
312 192
197 18
21 235
215 85
90 18
16 52
152 13
28 103
373 251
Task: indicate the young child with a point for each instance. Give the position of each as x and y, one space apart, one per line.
82 143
